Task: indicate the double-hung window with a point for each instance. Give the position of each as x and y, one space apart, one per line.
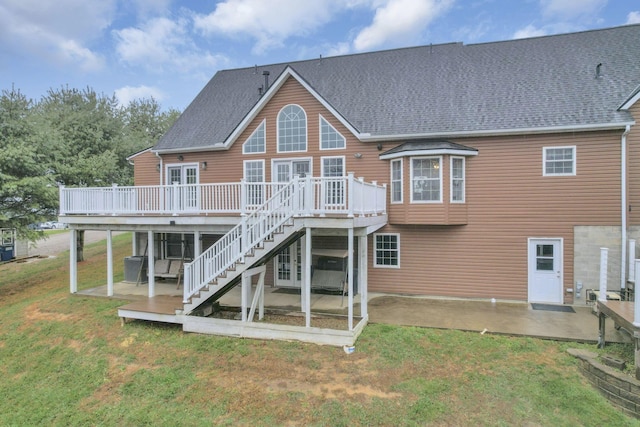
333 171
559 161
292 129
426 179
387 250
254 181
396 181
457 179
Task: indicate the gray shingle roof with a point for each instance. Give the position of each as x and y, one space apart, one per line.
427 145
446 90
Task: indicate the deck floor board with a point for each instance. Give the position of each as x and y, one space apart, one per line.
161 304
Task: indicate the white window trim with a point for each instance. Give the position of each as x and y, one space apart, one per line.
182 166
332 127
289 159
244 168
401 181
464 180
375 250
544 160
306 131
263 122
344 164
411 178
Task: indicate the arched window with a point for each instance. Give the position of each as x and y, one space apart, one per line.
292 129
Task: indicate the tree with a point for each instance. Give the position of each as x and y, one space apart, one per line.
27 188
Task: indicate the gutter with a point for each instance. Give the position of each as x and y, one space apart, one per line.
367 137
161 168
623 203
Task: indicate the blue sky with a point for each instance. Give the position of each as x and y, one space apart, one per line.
170 49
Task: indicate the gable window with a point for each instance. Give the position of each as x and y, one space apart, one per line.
256 142
426 180
396 181
330 138
292 129
457 179
333 167
387 250
559 161
254 178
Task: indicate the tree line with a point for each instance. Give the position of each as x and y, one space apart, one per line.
71 137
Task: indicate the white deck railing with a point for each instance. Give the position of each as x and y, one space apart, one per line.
252 230
341 195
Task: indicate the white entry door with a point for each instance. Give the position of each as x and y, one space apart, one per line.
183 197
545 271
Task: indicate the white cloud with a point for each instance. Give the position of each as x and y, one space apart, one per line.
529 31
570 9
269 23
633 18
127 94
399 20
162 44
58 32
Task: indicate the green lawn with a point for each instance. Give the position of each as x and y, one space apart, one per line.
66 360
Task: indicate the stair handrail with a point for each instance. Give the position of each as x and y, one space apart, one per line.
249 233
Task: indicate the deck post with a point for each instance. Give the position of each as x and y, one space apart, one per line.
109 263
604 255
197 244
350 276
632 256
73 261
362 276
307 277
636 302
151 264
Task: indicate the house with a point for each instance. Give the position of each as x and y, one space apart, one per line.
494 170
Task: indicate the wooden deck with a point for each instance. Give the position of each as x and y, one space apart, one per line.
161 308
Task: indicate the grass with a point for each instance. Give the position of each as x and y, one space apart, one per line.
66 360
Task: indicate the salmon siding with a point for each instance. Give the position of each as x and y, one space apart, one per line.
496 181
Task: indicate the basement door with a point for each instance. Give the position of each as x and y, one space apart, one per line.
545 271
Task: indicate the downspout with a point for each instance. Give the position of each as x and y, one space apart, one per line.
623 210
161 168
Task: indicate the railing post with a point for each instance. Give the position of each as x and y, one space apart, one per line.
114 199
384 199
308 195
63 206
186 283
604 255
175 198
350 194
636 300
375 197
243 196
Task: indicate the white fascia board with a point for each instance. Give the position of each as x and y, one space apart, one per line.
497 132
427 152
633 98
137 154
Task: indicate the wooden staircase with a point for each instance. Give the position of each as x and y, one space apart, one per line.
226 281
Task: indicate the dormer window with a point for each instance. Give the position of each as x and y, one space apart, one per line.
292 129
